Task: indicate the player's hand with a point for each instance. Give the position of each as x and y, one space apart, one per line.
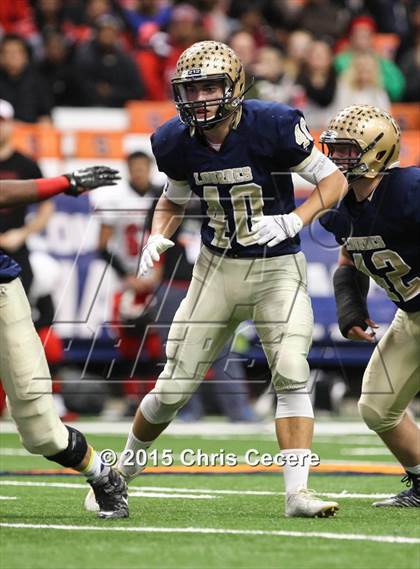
273 229
91 178
155 246
357 333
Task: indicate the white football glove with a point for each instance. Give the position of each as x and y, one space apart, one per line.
155 246
273 229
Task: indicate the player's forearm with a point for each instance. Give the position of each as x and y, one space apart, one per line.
20 192
328 192
167 218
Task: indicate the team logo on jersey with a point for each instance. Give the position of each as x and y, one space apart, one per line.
364 243
227 176
302 135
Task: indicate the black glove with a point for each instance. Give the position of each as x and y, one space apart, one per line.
91 178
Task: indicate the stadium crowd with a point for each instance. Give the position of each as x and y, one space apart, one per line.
314 54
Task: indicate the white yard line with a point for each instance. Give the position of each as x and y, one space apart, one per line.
365 451
137 493
371 440
209 428
164 491
223 531
6 451
8 498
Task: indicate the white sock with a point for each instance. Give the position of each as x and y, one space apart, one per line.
128 463
95 468
413 469
296 476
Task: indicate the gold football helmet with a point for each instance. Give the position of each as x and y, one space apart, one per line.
362 141
208 61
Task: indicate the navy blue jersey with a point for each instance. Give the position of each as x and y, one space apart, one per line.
383 235
9 269
249 175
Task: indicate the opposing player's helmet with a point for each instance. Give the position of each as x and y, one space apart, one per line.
208 61
367 138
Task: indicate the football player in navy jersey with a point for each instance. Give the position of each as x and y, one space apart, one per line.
378 227
227 152
24 370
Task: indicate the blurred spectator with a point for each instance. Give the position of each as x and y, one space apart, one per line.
244 45
122 234
107 75
272 82
16 17
51 15
161 50
408 55
322 18
59 16
148 13
391 16
125 224
20 82
408 40
362 31
216 22
74 19
250 19
95 9
410 66
58 70
361 84
14 229
319 82
296 49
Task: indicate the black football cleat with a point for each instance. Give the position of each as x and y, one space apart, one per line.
111 495
407 498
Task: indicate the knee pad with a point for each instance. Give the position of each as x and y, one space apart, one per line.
291 371
295 403
375 420
176 383
40 428
75 451
157 412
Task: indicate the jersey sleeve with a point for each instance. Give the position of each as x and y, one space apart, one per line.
168 149
294 142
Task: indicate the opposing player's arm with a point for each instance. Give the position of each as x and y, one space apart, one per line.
168 216
350 289
20 192
105 235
